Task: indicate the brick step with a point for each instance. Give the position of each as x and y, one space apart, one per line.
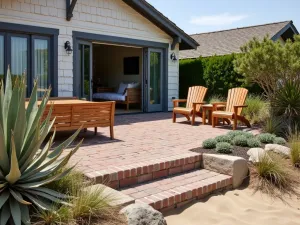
127 175
175 191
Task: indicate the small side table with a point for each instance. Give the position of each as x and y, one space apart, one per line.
209 108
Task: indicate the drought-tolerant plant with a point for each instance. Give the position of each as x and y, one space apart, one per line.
209 143
224 147
216 98
294 144
234 133
240 140
26 166
266 138
279 141
223 138
89 202
257 110
253 143
274 176
273 124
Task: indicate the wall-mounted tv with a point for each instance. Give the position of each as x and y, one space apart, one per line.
131 65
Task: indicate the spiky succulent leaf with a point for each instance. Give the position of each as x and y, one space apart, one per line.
25 167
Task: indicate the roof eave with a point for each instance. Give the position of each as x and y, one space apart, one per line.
163 23
286 27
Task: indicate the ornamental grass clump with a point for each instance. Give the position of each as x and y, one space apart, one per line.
266 138
294 144
279 141
253 143
224 147
25 166
240 140
209 143
223 138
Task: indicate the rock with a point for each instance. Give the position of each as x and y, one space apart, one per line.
230 165
278 149
255 154
140 214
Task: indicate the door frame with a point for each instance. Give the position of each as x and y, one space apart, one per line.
90 37
79 72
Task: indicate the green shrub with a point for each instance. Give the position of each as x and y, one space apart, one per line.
274 125
295 151
279 141
266 138
216 98
224 147
209 143
253 143
223 138
257 110
26 166
234 133
240 140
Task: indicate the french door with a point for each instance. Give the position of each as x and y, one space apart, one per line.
26 55
154 80
85 54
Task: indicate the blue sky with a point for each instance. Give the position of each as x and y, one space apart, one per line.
198 16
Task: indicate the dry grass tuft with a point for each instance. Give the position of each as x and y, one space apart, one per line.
275 176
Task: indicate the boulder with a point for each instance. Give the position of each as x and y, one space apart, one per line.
255 154
278 149
140 214
230 165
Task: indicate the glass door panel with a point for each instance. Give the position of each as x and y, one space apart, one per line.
41 64
1 58
85 59
155 80
19 56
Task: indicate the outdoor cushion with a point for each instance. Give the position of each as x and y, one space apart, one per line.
122 88
109 96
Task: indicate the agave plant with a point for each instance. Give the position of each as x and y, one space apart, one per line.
26 166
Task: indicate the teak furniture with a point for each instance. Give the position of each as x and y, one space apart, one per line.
194 101
207 109
234 105
133 95
71 113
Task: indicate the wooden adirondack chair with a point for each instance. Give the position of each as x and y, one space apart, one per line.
234 106
193 103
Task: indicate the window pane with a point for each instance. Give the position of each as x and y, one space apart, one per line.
18 56
41 64
155 77
1 58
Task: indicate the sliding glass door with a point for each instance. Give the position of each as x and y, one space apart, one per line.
155 80
85 69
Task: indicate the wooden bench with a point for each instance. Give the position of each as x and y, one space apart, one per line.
72 113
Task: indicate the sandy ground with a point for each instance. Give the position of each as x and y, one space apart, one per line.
237 207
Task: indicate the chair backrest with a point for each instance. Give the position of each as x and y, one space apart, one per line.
236 96
196 94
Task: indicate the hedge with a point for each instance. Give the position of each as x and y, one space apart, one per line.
215 72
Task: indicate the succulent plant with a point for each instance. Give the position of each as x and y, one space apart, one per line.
224 147
25 167
209 143
223 138
240 140
253 143
266 138
279 141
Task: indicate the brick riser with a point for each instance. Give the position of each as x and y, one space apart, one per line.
178 190
124 176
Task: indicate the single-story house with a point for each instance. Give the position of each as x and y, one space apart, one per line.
225 42
81 47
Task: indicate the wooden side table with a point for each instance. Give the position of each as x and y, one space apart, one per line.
209 108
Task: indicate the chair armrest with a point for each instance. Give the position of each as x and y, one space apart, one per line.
176 101
217 105
199 103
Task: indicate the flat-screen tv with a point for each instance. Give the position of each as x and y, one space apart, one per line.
131 65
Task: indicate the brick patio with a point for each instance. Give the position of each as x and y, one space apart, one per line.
140 139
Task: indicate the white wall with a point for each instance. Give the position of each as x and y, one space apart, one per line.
108 17
108 64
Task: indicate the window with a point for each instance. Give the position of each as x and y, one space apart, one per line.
32 54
